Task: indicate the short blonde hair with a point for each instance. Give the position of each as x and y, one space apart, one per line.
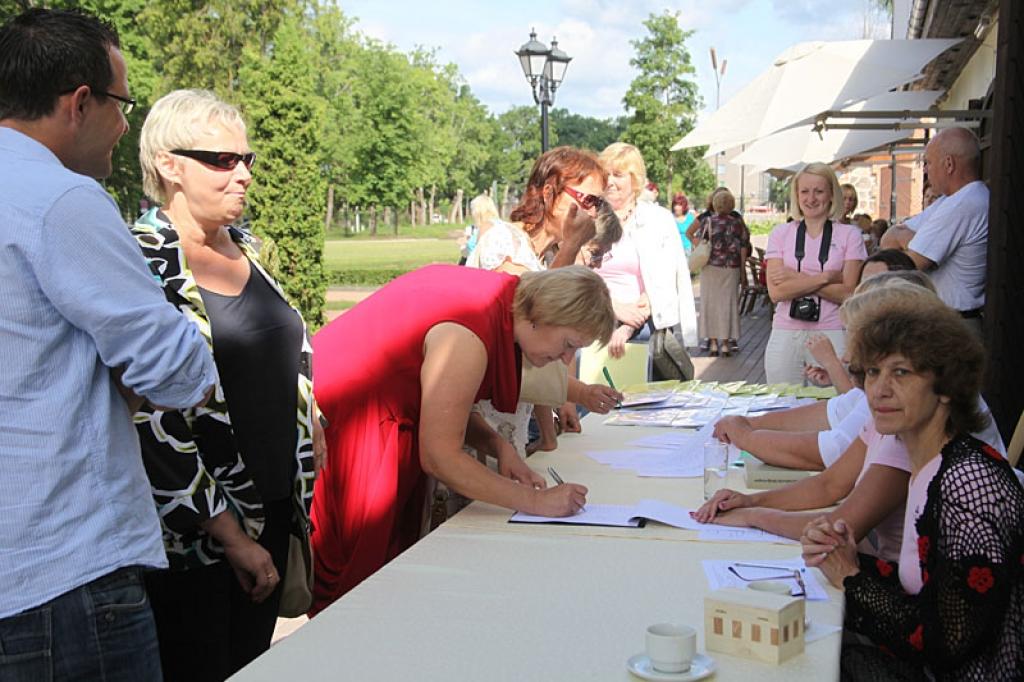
482 209
822 170
723 201
174 122
911 286
572 296
621 156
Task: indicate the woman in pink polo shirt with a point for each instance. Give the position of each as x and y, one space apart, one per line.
807 279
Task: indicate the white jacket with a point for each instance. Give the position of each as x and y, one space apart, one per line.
664 268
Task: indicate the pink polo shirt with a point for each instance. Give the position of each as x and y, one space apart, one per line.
887 537
847 244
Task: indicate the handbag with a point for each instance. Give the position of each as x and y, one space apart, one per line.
701 253
297 588
669 358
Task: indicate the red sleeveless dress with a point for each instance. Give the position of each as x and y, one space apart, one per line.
368 500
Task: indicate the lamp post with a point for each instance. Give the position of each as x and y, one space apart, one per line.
719 74
544 70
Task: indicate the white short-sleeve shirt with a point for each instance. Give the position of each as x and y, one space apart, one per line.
953 233
847 415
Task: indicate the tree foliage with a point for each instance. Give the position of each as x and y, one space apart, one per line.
663 101
586 132
329 107
285 116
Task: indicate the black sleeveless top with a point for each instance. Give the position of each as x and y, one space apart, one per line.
257 341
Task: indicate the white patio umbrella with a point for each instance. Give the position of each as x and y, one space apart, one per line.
809 78
801 144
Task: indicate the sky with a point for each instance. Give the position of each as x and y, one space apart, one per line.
481 38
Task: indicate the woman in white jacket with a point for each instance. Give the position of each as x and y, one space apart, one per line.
646 270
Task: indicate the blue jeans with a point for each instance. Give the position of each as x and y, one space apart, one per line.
100 631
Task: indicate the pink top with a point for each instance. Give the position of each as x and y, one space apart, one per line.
620 270
847 244
886 538
910 561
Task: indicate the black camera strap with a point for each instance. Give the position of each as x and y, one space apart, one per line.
826 243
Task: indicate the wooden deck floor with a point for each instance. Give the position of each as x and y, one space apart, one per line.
747 364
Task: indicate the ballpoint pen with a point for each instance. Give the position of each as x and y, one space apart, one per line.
608 378
559 481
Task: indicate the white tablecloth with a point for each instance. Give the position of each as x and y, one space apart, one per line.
482 599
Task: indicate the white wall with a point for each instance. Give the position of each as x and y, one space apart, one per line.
977 75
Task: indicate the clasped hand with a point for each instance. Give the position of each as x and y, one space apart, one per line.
832 547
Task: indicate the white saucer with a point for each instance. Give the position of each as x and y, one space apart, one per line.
701 666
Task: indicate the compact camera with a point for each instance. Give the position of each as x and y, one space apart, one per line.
806 308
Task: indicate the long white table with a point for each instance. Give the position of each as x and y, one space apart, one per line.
482 599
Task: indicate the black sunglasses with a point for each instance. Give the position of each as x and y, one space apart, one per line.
127 104
222 160
586 201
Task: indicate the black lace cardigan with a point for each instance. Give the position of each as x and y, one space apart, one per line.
967 622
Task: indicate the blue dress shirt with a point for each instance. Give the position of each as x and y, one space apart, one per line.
76 299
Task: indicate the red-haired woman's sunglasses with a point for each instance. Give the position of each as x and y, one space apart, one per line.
222 160
586 201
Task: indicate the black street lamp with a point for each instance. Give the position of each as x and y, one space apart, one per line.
544 70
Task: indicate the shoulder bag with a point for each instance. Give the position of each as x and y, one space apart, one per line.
297 588
700 254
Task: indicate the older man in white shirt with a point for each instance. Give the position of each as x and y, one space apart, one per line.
950 238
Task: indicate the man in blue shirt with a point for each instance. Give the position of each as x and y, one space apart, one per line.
83 330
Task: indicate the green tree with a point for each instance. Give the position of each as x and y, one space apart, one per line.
125 183
285 117
338 54
662 102
778 193
201 44
586 132
517 145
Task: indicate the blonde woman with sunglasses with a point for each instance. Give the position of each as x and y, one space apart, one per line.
230 480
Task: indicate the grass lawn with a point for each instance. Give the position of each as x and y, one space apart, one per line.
338 305
437 231
373 263
386 254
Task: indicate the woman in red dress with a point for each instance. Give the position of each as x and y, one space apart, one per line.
396 378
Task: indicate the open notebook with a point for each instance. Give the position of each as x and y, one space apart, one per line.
634 516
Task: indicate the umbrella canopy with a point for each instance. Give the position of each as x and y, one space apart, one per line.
801 144
810 78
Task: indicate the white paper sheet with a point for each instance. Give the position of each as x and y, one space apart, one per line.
685 461
718 575
620 515
591 515
816 631
714 533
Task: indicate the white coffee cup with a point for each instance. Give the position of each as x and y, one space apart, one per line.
671 647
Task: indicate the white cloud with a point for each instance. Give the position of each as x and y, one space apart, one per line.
481 39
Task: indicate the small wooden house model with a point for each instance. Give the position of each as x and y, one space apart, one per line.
759 625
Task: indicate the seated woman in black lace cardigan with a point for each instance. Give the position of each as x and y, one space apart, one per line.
952 607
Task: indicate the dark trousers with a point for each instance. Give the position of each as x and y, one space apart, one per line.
100 631
207 626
